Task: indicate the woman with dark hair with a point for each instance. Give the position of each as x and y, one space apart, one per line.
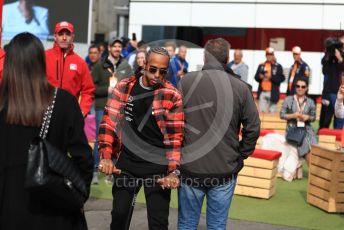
25 94
299 111
139 63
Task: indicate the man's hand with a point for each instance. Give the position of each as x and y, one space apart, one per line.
266 76
170 181
107 167
340 94
338 55
134 43
181 71
110 89
25 8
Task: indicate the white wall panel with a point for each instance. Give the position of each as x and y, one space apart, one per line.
223 15
160 13
289 16
333 17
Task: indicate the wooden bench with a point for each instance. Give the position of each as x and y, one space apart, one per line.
272 122
329 138
258 177
326 179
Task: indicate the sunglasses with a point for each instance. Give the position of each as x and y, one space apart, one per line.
153 69
301 86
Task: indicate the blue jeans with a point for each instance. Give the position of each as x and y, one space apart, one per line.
338 123
99 115
190 201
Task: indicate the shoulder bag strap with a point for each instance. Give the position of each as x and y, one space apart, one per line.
46 118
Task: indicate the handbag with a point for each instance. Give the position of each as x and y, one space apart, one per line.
295 135
51 174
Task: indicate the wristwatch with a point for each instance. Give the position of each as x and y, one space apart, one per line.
176 172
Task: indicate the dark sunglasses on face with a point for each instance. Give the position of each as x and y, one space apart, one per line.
301 86
153 69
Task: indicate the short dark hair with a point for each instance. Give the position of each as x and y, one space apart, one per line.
217 49
303 79
141 43
94 46
24 91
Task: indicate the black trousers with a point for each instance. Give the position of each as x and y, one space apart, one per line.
326 114
157 201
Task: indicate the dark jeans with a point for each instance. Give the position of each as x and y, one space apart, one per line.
338 122
99 116
326 115
157 201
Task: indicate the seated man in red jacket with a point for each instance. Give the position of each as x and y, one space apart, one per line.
67 70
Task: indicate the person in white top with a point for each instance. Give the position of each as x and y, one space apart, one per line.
339 108
238 66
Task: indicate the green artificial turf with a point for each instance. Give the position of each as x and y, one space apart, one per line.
287 207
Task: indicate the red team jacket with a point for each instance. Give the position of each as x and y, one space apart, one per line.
2 57
70 72
167 109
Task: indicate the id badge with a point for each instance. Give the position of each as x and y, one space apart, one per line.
113 82
301 124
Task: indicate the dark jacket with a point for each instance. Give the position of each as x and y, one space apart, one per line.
332 75
18 208
216 104
302 71
277 77
101 75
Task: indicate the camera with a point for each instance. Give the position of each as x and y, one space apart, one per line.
331 44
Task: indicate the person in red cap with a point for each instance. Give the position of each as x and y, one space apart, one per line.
299 69
269 75
67 70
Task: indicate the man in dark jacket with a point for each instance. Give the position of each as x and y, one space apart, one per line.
269 75
106 73
298 70
332 68
216 104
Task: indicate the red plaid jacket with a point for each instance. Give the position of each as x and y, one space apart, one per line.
167 108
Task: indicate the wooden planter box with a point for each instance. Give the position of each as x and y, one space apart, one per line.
326 179
258 177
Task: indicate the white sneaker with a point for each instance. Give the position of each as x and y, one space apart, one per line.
109 179
95 178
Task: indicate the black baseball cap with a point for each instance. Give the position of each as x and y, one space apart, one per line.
114 40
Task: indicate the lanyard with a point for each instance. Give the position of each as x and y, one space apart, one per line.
300 106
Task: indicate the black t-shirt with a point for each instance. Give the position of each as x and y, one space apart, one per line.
142 138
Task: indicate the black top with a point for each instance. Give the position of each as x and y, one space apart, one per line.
332 78
18 210
142 138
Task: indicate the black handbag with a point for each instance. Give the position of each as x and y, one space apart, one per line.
51 174
295 135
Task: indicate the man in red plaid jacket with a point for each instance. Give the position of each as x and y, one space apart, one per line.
142 129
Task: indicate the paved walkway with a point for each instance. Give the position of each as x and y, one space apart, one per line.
98 218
